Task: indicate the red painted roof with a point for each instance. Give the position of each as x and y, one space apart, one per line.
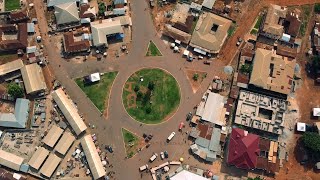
243 149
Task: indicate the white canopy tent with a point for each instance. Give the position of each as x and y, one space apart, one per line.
316 112
301 127
94 77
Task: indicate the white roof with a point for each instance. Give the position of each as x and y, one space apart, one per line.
10 160
187 175
50 165
69 111
66 13
38 158
301 127
103 29
33 78
10 67
53 135
212 108
92 157
316 111
208 3
51 3
94 77
64 143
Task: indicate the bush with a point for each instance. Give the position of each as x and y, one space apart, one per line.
15 90
148 110
139 95
195 77
102 9
317 8
246 68
136 88
151 86
311 140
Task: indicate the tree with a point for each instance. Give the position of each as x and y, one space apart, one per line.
246 68
151 85
256 178
15 90
139 95
311 140
316 63
317 8
102 9
195 76
148 110
136 88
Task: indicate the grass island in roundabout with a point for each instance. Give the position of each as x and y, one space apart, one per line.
151 95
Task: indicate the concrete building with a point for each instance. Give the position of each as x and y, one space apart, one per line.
92 157
65 143
211 108
10 160
272 26
69 110
261 112
208 4
53 136
187 175
272 72
38 158
52 3
66 13
20 116
11 67
50 165
210 33
33 79
72 46
102 29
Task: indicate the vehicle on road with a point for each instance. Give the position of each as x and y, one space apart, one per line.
171 136
181 125
162 155
189 116
153 157
207 62
166 155
144 167
109 148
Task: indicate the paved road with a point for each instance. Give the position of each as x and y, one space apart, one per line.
109 130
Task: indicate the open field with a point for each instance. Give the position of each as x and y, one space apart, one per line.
12 5
153 50
132 142
151 104
99 91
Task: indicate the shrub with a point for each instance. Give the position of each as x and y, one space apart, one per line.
195 76
15 90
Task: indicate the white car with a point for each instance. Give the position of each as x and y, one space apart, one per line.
162 155
153 157
144 167
171 136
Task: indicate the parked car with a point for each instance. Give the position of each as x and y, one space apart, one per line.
166 155
109 148
189 116
153 157
171 136
207 62
144 167
162 155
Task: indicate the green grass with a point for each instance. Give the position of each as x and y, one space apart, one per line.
98 92
164 100
12 5
232 29
254 31
258 23
194 23
130 139
153 50
305 19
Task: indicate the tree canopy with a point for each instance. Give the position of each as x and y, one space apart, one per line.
311 140
15 90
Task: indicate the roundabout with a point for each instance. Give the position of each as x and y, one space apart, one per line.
151 95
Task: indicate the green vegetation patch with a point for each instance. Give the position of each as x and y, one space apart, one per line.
131 142
12 5
317 8
153 50
98 92
305 19
258 23
254 31
150 95
232 29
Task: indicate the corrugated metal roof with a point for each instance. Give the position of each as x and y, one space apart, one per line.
33 78
38 158
213 108
66 13
64 143
53 135
69 111
10 160
50 165
92 157
51 3
208 3
30 27
20 116
10 67
215 140
104 28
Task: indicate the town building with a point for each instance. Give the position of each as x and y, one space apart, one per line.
10 160
53 136
185 175
38 158
210 33
316 38
33 78
251 152
19 16
11 68
21 42
92 157
272 72
72 46
50 165
20 116
273 23
65 143
261 112
87 13
69 110
52 3
66 13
